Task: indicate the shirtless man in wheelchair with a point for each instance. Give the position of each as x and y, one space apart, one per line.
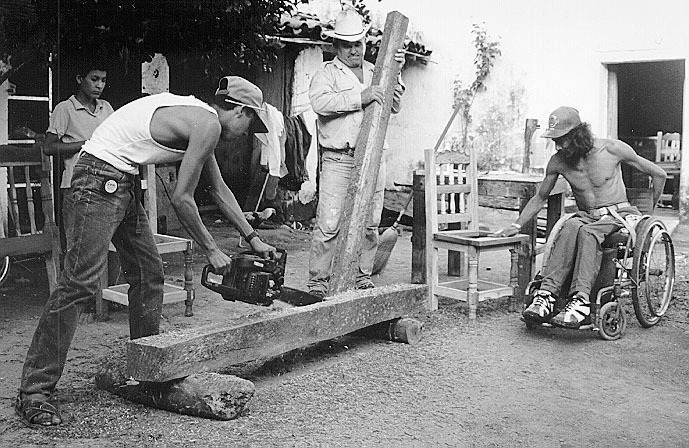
592 166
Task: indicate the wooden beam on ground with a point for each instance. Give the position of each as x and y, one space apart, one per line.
177 354
368 154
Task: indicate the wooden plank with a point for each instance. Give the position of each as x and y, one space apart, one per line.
368 154
26 244
177 354
529 130
683 190
453 188
502 187
499 202
418 235
118 294
11 155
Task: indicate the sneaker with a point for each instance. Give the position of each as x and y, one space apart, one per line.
541 308
574 313
365 284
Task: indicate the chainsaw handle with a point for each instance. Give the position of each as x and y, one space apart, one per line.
204 279
282 252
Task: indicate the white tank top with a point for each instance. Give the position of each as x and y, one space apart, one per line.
124 138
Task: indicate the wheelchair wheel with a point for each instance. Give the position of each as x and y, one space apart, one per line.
653 270
611 326
4 269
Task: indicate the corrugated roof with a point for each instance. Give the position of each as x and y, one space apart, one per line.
305 28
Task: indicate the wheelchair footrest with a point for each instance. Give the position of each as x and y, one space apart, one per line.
587 326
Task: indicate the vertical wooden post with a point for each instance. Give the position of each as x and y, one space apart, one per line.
526 255
4 136
530 129
189 279
369 151
683 199
418 233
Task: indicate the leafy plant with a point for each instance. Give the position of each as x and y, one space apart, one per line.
486 53
216 34
498 131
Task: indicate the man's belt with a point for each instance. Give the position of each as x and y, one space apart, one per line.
349 151
608 209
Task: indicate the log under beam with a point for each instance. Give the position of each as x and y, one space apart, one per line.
181 353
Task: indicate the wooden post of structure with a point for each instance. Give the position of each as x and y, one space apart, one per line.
369 151
526 252
418 233
530 129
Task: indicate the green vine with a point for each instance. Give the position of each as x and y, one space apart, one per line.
486 53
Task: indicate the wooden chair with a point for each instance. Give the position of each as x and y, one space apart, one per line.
668 157
165 244
668 148
28 231
451 194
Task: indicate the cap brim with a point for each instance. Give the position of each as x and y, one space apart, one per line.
553 133
259 126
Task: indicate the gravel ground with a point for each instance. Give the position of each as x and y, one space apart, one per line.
483 384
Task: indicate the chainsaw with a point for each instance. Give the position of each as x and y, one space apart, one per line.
251 279
256 280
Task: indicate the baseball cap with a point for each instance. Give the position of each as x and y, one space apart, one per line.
238 90
561 121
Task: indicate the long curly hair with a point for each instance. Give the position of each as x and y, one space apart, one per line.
582 138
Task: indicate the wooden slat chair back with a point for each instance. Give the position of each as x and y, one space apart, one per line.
452 223
668 156
28 231
668 147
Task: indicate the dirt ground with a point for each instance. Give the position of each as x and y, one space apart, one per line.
492 383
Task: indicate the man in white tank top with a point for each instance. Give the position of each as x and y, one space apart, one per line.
105 191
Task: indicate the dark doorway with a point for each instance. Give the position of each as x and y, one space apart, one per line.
650 99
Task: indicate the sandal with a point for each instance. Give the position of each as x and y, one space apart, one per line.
28 410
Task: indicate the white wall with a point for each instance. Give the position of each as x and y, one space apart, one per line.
554 49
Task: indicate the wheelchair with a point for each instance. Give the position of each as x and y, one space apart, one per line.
641 269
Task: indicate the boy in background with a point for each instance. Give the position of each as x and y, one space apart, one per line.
71 124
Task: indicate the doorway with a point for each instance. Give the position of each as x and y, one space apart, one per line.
646 97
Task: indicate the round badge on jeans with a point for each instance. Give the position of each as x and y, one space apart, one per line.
110 186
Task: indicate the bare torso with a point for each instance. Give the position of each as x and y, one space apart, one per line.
596 179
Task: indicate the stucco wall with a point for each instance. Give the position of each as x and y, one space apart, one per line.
554 49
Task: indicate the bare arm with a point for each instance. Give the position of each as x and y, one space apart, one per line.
535 204
203 136
229 206
54 147
631 158
202 132
400 87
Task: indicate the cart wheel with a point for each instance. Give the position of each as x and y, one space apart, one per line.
653 270
4 269
611 326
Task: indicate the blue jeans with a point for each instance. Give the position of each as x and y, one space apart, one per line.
98 217
336 171
577 251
